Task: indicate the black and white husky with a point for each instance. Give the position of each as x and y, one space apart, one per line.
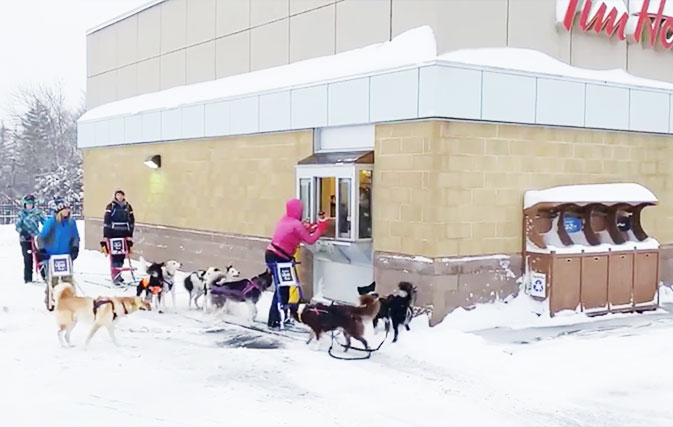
198 283
162 277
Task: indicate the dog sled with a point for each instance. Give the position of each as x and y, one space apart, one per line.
59 270
115 247
285 277
38 265
110 247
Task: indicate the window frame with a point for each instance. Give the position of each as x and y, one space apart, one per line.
337 171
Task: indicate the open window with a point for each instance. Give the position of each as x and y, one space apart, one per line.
340 185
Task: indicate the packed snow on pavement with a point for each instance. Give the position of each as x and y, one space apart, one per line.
498 364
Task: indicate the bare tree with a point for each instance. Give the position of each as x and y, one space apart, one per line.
46 160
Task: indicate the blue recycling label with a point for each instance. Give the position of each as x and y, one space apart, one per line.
572 224
537 285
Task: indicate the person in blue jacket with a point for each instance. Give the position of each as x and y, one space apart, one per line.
28 226
59 236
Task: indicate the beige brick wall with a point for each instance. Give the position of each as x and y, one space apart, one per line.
231 185
452 188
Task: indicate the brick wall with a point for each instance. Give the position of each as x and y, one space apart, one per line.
233 185
455 188
452 191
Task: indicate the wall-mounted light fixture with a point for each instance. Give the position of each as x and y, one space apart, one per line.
153 161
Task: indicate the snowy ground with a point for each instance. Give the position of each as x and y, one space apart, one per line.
496 365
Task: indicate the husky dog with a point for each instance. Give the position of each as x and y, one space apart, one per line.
70 308
350 320
160 281
396 308
198 283
246 291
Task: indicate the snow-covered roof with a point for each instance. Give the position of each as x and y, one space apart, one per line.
532 61
593 193
402 79
411 47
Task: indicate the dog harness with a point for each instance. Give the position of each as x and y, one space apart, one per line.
224 289
317 310
145 283
102 301
169 282
249 287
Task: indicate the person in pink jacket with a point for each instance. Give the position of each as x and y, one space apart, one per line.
290 232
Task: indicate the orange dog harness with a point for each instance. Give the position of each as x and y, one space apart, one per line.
145 283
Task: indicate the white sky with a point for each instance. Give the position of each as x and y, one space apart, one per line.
44 42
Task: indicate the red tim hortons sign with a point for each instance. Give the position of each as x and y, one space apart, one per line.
649 21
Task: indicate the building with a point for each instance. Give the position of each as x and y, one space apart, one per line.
429 150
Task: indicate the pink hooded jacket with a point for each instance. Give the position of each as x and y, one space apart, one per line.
290 231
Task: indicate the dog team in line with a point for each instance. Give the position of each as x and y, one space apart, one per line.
59 236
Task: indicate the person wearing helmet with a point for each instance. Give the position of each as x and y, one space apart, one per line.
28 226
59 235
118 221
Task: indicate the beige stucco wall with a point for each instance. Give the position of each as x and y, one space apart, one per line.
229 185
453 188
180 42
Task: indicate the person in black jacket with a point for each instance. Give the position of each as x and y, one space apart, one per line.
118 222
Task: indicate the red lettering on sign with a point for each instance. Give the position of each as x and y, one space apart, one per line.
570 14
659 27
609 24
649 20
666 35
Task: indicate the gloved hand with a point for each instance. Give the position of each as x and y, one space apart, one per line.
129 244
26 235
103 247
42 254
74 252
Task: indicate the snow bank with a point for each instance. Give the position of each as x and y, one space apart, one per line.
666 294
522 312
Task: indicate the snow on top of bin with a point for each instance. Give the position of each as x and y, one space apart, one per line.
593 193
411 47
